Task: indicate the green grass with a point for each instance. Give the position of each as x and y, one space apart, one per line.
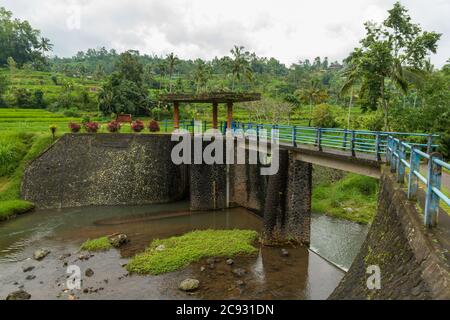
353 198
99 244
180 251
11 208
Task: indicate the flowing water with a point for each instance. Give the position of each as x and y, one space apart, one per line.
304 274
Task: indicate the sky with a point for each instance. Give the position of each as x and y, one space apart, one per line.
289 30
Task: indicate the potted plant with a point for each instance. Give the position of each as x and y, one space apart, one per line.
153 126
91 127
74 127
137 126
113 126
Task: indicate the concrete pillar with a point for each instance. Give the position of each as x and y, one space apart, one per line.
214 115
287 209
229 114
176 115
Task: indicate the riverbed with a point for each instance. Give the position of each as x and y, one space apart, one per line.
303 274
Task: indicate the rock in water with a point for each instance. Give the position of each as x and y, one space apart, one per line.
40 254
118 240
229 262
161 247
89 272
19 295
284 252
189 284
30 277
27 268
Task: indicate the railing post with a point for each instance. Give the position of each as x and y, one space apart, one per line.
429 143
412 178
393 158
344 144
165 125
204 125
388 152
319 138
432 199
377 146
352 142
294 136
400 164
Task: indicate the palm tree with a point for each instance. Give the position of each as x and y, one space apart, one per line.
45 45
312 93
161 66
201 75
240 65
172 60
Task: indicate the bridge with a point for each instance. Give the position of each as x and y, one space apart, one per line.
410 155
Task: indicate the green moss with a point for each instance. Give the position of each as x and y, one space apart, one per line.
353 198
182 250
10 208
99 244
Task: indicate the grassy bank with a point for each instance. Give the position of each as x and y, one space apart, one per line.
178 252
16 151
354 197
99 244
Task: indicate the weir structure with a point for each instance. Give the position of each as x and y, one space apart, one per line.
406 241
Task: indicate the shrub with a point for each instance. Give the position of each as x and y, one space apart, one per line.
74 127
323 116
153 126
53 128
113 126
72 113
85 119
91 127
137 126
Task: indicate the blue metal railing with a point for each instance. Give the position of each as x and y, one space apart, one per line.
402 156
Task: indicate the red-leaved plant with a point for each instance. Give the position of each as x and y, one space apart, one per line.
153 126
74 127
113 126
137 126
91 126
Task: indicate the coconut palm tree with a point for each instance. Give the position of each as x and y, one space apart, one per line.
45 45
171 60
201 75
240 65
312 93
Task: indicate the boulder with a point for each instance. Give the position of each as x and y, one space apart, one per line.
239 272
40 254
189 284
27 268
118 240
19 295
89 272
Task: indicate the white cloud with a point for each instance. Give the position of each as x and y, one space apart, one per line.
286 29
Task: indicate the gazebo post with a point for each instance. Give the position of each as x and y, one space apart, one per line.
176 115
214 115
229 114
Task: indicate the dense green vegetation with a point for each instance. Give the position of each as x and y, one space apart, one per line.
353 197
99 244
174 253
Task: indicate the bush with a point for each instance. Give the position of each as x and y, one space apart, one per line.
153 126
323 116
72 113
113 126
74 127
137 126
91 127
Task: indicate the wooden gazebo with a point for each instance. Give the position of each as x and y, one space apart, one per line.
213 98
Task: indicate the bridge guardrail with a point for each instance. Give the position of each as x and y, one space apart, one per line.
401 157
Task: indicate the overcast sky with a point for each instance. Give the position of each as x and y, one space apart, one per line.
289 30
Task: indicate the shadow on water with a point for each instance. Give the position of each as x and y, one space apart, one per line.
301 275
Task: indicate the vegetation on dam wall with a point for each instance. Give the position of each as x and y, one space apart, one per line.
16 151
344 195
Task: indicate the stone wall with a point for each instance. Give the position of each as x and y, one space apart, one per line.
413 265
105 169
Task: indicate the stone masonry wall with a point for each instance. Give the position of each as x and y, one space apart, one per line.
105 169
412 264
